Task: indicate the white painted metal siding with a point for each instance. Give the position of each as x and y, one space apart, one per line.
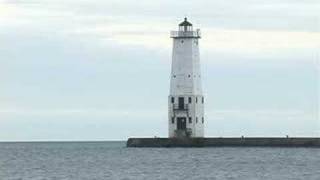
186 82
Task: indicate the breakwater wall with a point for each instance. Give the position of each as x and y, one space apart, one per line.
224 142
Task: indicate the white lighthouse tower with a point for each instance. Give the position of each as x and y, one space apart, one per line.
186 102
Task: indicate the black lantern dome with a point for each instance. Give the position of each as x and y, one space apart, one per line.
185 25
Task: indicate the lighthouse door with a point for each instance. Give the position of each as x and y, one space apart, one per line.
181 123
181 102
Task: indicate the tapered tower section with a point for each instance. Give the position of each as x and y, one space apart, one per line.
186 102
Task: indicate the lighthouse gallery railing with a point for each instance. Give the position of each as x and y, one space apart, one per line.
185 34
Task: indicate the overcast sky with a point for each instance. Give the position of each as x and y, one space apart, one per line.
99 69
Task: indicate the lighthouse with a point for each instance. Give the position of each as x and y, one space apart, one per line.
185 101
186 104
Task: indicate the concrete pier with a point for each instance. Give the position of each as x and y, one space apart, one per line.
225 142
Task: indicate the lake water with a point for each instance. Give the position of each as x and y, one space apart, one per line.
112 160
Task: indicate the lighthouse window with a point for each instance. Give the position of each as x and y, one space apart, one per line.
172 100
190 120
190 100
196 119
189 75
202 100
196 99
202 120
182 41
172 120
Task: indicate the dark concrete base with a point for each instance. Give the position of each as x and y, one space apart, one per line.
224 142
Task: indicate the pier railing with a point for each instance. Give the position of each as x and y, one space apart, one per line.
176 107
